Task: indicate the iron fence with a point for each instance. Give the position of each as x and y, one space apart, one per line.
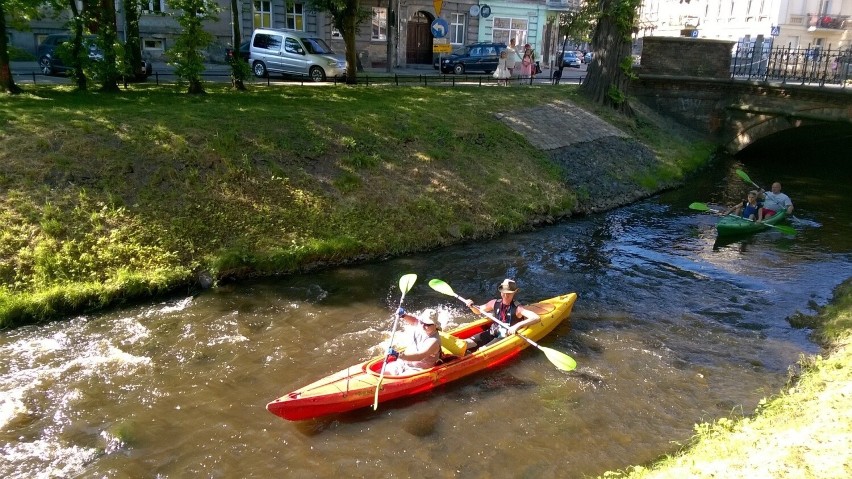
785 64
364 78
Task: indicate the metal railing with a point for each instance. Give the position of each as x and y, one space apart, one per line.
364 78
785 64
831 22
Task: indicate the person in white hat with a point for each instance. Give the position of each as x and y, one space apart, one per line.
507 310
422 347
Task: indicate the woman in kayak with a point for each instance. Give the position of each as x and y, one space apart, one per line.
748 209
422 347
507 310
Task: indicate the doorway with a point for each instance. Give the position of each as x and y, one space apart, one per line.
418 48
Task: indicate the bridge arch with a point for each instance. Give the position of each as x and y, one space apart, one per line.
747 125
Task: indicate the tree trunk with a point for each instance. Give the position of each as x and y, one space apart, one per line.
132 45
106 21
236 78
549 34
606 82
7 83
349 28
77 73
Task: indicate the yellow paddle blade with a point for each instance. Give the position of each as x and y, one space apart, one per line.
441 287
560 360
406 282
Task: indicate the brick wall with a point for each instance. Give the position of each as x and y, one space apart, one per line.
682 56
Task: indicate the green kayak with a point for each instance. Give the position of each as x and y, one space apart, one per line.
731 225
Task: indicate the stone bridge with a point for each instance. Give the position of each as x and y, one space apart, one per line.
689 80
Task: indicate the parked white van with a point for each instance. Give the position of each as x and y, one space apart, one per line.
293 52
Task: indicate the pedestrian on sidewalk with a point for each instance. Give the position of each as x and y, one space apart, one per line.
502 72
512 57
527 62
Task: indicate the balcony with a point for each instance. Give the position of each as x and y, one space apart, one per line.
826 21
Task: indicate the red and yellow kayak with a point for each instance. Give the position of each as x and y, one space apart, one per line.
354 387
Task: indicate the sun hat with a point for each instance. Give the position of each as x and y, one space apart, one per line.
429 316
508 286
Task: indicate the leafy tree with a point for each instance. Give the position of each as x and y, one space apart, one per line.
186 54
346 15
575 25
18 14
610 73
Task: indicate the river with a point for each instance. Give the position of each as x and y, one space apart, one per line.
670 329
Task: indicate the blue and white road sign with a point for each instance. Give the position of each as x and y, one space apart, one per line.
440 27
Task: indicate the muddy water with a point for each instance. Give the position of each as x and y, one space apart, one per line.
671 328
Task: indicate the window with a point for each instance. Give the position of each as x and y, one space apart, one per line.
269 42
457 28
296 16
150 44
380 24
507 28
262 14
157 6
292 46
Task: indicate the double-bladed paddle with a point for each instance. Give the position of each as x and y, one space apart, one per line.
703 207
560 360
405 284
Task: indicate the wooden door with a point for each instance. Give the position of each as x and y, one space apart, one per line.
418 49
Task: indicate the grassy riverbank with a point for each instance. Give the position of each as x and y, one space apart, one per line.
111 197
803 432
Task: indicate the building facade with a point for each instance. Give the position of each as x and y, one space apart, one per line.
398 31
795 23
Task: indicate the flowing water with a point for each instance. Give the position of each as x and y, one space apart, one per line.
670 329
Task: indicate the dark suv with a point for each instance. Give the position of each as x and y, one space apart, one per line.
50 62
480 57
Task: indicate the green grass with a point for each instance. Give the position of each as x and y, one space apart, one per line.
113 196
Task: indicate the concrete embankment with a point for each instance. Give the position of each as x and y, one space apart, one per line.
605 165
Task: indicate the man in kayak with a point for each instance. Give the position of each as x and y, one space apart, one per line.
748 209
422 347
774 201
507 310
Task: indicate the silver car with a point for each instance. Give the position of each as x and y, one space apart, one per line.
293 52
569 59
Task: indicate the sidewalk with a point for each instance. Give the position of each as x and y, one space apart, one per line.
26 72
